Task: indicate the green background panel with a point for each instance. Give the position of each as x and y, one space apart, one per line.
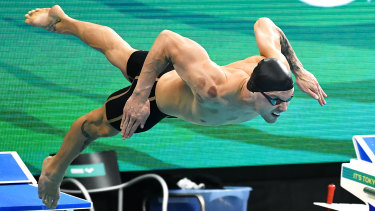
49 80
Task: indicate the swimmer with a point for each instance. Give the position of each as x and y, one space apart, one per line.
176 78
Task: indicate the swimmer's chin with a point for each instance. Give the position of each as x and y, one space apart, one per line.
270 120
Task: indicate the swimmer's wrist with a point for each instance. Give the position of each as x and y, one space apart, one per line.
296 67
141 93
297 71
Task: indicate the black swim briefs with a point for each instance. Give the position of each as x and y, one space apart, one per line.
116 101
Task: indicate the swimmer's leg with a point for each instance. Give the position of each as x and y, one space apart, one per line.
101 38
82 132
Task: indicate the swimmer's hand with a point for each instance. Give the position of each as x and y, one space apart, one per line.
135 113
307 82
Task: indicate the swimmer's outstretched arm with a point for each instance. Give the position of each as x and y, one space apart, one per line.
272 42
191 63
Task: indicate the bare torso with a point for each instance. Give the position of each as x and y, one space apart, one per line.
231 104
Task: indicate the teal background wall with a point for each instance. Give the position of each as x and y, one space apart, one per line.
48 80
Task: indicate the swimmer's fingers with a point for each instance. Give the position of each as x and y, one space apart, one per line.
322 95
133 128
312 91
310 85
129 127
140 120
145 113
314 95
124 123
143 121
322 100
135 113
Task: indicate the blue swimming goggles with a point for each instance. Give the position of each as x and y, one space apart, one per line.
276 101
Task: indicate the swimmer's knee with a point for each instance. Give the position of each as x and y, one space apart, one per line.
105 130
96 125
95 129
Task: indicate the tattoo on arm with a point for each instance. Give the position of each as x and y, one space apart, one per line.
288 52
88 139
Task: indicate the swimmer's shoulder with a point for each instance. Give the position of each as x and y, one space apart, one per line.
246 65
254 59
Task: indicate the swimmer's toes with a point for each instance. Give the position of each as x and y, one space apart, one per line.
49 201
54 204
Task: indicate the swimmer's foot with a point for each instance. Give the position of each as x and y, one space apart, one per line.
46 18
49 185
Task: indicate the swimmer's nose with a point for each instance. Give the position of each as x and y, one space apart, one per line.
283 106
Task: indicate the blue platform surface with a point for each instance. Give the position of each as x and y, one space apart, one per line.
25 197
10 169
19 191
370 141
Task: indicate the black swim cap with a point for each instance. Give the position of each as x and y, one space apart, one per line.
270 75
